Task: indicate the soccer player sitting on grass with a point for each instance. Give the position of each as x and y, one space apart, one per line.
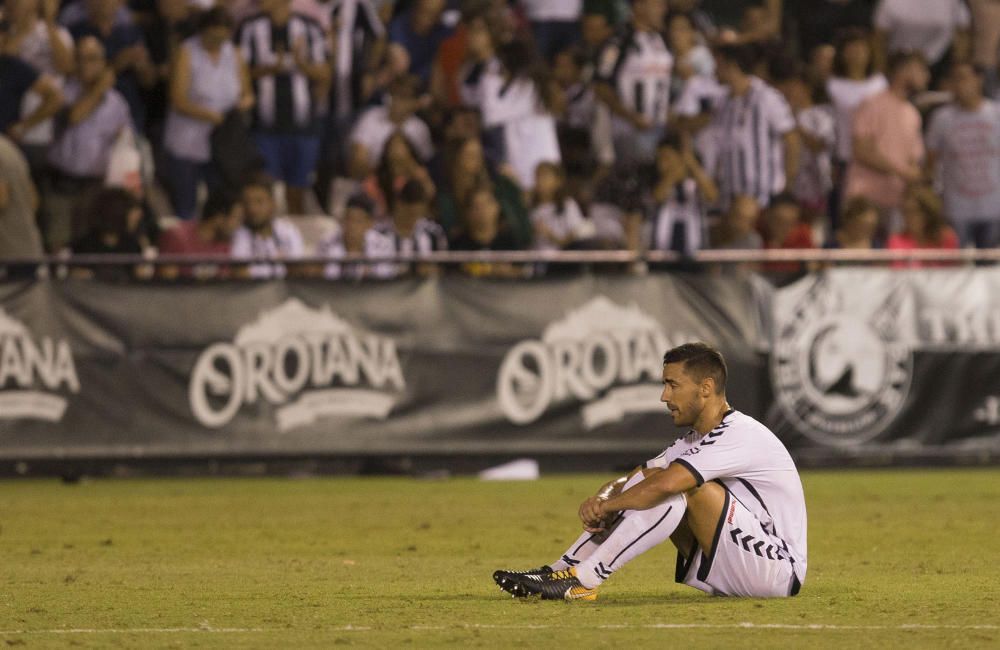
727 494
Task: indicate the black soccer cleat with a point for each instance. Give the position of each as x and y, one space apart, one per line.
509 581
558 585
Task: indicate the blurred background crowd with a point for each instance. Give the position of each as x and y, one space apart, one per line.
282 129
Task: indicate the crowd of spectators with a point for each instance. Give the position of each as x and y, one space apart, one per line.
211 127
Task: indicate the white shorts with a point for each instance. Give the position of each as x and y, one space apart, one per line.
747 561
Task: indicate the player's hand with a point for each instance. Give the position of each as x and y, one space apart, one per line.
592 514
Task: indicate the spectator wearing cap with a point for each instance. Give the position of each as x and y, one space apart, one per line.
887 144
963 143
633 80
124 46
287 55
264 234
210 78
938 29
85 134
33 36
757 143
377 124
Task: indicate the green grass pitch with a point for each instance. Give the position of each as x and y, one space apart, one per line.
895 558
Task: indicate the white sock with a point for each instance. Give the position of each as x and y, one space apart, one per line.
582 548
636 533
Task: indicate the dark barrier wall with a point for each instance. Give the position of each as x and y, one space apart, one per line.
863 360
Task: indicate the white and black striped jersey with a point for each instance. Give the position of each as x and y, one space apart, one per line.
749 131
746 458
639 66
284 100
283 242
678 223
357 27
376 245
427 237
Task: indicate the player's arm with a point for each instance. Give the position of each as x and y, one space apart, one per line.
608 490
649 493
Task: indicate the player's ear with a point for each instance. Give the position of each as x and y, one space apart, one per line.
707 387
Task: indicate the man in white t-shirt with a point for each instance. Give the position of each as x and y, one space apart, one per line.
727 494
931 27
377 124
963 142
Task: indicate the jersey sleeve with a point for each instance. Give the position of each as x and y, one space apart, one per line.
779 113
719 454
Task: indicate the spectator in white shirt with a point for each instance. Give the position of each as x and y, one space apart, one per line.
939 29
854 80
518 102
963 141
378 123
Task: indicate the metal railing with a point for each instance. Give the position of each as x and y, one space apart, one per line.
964 256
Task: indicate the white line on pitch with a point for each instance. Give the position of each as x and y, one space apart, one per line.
484 626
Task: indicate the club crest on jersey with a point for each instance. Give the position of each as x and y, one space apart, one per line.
306 363
602 354
35 374
840 364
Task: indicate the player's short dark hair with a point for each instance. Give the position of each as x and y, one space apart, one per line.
218 204
700 361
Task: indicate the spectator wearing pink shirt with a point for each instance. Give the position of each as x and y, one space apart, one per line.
888 147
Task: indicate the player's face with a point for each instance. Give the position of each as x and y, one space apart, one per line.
682 395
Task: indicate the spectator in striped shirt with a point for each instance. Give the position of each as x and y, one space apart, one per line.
412 231
633 81
288 63
757 142
680 193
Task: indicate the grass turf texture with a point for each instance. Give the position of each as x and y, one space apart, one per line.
294 563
